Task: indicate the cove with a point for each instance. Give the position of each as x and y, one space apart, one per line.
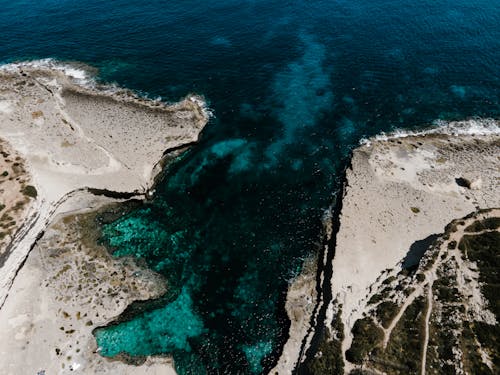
293 88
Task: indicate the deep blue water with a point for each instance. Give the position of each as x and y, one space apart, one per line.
294 85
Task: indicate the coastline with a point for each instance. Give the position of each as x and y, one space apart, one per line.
415 172
300 305
82 146
378 167
399 193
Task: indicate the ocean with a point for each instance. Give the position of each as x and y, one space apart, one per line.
293 86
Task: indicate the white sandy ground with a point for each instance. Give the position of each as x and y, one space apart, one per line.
71 139
386 179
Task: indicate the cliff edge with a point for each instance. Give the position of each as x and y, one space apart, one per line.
400 194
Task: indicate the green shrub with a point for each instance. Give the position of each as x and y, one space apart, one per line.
30 191
366 337
330 360
389 280
386 311
489 223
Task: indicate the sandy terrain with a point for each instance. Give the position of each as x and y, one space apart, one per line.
71 143
400 191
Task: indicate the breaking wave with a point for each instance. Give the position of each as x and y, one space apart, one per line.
85 76
79 73
485 126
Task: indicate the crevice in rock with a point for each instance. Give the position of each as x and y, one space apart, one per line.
323 288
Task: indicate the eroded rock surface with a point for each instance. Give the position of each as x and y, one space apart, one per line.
68 286
399 195
74 138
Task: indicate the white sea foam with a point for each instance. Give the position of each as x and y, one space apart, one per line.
455 128
85 76
77 73
208 112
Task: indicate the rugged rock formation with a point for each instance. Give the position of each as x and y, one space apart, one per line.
67 150
76 138
391 259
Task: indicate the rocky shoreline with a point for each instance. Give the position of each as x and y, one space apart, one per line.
69 151
399 194
79 148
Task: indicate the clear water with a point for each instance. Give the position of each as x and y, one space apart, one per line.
294 85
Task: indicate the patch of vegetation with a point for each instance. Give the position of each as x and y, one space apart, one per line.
380 296
445 287
30 191
403 352
489 337
405 272
389 280
386 312
366 337
471 358
483 250
450 328
427 265
2 206
415 210
490 223
5 174
442 340
451 228
328 358
447 293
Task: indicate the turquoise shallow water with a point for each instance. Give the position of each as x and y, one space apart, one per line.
293 85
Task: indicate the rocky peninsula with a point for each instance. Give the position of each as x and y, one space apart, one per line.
68 148
412 269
